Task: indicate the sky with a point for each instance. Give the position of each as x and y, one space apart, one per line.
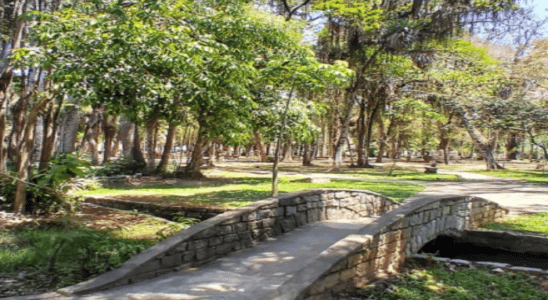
541 6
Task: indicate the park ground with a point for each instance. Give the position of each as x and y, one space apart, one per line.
99 239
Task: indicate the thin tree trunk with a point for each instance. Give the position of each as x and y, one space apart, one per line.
151 146
51 127
287 154
512 145
109 132
362 131
162 166
337 157
445 129
486 148
382 139
24 148
371 115
307 155
3 145
192 170
68 131
278 144
259 145
136 153
125 135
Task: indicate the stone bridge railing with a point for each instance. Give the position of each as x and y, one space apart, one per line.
382 247
239 229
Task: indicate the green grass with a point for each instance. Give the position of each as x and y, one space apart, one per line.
532 223
66 256
438 283
379 172
65 252
535 177
398 174
243 191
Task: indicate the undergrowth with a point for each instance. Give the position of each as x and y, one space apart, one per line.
465 284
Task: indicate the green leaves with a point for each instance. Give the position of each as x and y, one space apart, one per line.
62 168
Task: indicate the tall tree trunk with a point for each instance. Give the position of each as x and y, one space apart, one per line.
362 131
337 157
371 108
24 147
136 153
92 132
126 134
445 129
151 145
162 166
109 132
512 145
69 130
382 139
3 145
307 155
444 146
193 169
278 144
486 148
51 127
248 149
259 145
287 154
211 153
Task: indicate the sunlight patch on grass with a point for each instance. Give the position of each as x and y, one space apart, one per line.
531 223
535 177
243 191
438 283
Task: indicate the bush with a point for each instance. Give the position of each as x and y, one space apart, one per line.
66 255
46 190
125 165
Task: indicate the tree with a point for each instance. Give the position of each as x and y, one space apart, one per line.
391 27
463 78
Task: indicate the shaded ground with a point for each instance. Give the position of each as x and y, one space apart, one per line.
91 216
116 224
451 281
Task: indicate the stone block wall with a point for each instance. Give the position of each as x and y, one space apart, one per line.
238 229
382 249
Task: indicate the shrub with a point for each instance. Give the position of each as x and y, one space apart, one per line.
67 255
46 190
125 165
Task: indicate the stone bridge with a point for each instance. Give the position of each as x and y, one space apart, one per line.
371 249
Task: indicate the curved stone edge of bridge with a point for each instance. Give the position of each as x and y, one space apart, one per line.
236 230
381 248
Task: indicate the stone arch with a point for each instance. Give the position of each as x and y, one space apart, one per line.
383 247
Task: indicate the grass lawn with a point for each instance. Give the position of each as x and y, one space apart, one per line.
400 172
50 253
514 170
243 190
536 177
439 283
532 223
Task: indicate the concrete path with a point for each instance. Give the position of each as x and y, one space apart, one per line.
518 196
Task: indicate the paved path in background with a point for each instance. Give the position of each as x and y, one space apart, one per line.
516 195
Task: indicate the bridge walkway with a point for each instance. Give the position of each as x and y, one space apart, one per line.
249 274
